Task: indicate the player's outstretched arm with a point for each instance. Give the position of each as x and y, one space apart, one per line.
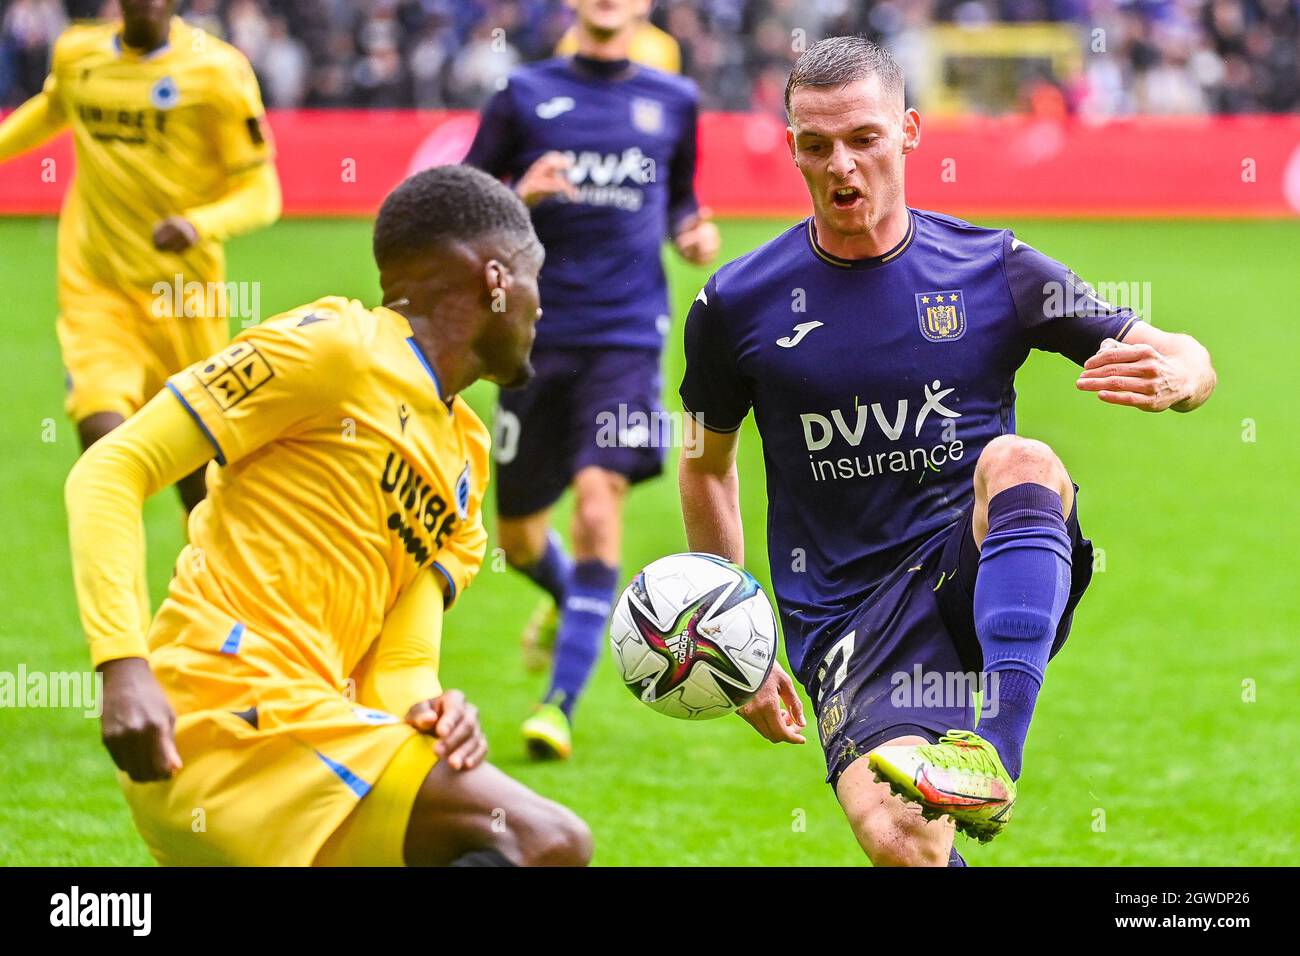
105 495
1152 370
710 492
399 675
30 125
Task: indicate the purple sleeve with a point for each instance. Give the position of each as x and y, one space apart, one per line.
1057 310
681 175
495 145
713 390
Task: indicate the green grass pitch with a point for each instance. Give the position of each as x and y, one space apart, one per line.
1166 731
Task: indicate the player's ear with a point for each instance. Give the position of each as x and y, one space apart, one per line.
911 130
497 275
497 279
789 141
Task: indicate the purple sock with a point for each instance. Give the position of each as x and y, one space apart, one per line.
552 571
587 605
1020 593
955 858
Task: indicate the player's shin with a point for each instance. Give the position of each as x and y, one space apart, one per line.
1020 594
551 572
586 608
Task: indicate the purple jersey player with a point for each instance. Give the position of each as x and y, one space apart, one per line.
603 152
920 550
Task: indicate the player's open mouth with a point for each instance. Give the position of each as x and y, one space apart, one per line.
846 198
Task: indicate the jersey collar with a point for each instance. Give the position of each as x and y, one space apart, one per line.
609 71
405 331
869 263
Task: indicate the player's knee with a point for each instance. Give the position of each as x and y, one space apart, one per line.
595 521
556 836
596 511
1010 460
522 545
894 834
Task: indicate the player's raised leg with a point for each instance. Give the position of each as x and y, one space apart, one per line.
1023 496
890 831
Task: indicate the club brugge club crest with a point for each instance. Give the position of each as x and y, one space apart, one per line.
942 315
163 95
647 115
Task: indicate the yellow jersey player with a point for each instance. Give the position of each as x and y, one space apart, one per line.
285 708
172 158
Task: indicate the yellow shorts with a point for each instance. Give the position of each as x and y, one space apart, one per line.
277 770
116 351
374 834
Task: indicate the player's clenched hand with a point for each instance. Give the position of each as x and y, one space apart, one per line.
766 714
698 240
455 723
137 721
174 234
548 176
1135 375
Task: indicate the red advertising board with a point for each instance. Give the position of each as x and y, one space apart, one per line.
343 162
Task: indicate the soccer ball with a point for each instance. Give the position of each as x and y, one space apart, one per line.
694 636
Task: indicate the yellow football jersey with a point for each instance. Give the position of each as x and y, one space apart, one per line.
304 617
340 474
156 135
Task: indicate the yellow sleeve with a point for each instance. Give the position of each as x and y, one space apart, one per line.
401 668
460 558
31 124
252 202
242 136
271 380
105 495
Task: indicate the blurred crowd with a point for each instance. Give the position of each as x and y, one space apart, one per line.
1139 56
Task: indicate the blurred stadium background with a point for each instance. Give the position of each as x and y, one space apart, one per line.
1152 145
986 56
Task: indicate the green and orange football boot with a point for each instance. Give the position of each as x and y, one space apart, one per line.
961 777
547 734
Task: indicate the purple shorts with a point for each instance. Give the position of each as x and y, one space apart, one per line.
908 659
584 407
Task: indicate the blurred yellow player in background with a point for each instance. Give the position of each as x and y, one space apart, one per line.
283 707
650 46
173 156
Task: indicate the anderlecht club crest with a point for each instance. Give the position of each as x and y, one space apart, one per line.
942 315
